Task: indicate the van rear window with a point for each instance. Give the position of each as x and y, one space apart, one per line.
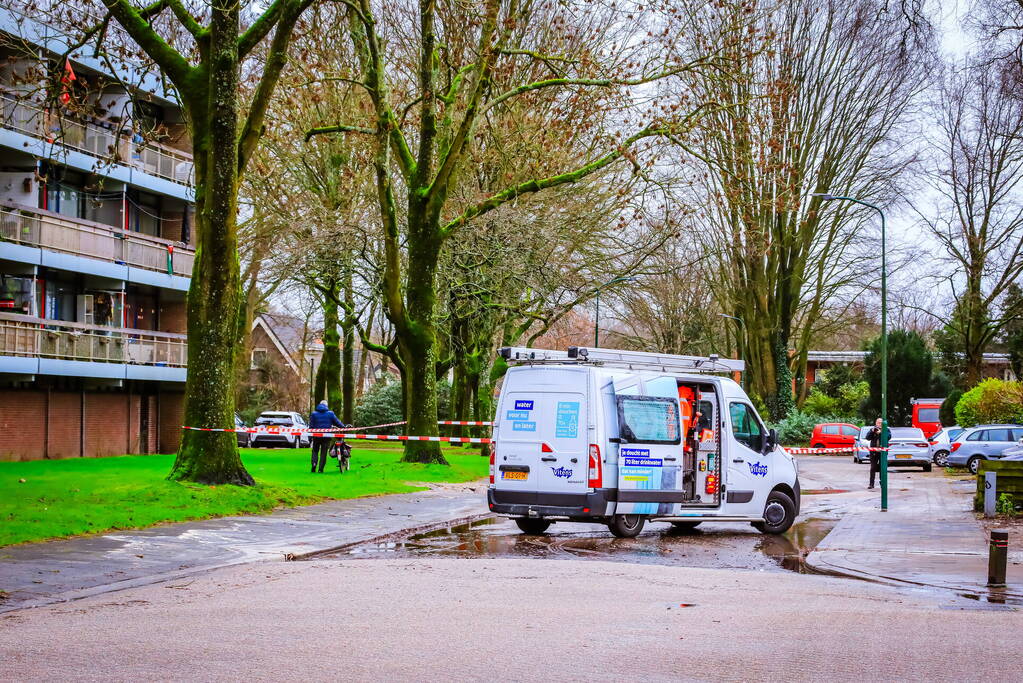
647 419
927 415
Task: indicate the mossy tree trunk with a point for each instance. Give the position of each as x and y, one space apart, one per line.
223 141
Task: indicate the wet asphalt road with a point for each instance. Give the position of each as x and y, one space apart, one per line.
829 485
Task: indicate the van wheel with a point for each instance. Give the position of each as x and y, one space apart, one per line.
779 514
532 526
626 526
686 526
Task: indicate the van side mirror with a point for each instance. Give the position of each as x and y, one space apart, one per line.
771 441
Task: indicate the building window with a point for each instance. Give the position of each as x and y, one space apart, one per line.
258 359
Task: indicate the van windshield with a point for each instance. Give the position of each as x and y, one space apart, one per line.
647 419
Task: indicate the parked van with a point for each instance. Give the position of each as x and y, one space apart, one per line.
925 415
623 437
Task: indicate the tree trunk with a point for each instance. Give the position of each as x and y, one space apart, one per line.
212 457
331 362
417 344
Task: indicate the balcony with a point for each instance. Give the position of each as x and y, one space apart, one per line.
25 336
35 228
106 144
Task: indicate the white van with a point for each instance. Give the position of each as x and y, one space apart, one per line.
622 437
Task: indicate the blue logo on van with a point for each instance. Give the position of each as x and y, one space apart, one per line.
635 452
523 405
523 426
561 472
757 470
517 414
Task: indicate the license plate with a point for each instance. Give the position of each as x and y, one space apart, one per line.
903 456
515 475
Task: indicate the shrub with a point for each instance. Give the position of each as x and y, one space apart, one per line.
947 412
819 403
796 429
991 401
383 404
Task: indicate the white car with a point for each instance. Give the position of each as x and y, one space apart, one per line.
907 446
273 421
941 444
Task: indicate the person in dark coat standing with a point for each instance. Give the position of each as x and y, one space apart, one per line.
874 439
322 418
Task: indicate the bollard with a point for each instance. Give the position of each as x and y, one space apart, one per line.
997 554
990 493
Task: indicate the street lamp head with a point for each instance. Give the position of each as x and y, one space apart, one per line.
823 195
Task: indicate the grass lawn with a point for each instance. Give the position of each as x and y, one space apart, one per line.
60 498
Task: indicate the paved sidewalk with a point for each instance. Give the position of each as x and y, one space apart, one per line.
929 537
41 573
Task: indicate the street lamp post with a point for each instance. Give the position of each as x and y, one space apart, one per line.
739 344
884 343
596 320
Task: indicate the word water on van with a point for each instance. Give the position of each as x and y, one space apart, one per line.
757 470
561 472
523 405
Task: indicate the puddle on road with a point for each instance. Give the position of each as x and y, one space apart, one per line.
716 546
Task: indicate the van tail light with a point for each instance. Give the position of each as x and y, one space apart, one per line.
493 459
596 474
544 448
955 446
711 486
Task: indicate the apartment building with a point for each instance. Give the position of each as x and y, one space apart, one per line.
96 250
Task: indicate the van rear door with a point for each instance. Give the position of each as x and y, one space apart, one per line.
542 445
650 455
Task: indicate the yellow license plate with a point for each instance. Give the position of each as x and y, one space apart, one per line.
515 475
903 456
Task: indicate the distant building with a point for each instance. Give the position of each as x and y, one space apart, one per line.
285 354
96 251
995 364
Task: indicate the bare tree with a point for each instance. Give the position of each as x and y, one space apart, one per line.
817 104
980 211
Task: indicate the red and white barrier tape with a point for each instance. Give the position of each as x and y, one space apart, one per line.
848 449
400 437
466 422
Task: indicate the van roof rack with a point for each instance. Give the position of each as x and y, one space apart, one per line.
632 360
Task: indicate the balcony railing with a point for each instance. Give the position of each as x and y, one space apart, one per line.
23 225
29 337
106 144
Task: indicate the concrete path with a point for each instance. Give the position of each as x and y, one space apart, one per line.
929 536
41 573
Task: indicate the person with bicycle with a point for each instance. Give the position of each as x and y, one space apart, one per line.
322 418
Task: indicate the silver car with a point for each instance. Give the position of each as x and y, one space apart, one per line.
941 444
983 442
1015 453
906 446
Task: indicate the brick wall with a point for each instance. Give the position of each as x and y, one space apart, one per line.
65 424
21 429
106 425
171 417
36 424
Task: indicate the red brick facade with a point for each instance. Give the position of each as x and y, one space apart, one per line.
40 424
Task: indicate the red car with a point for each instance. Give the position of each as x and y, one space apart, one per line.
834 435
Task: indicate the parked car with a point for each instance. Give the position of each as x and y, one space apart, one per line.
834 435
244 438
908 446
1015 453
275 418
925 415
860 454
941 444
983 442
